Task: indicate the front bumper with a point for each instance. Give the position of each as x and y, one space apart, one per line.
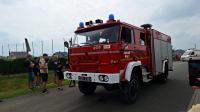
110 78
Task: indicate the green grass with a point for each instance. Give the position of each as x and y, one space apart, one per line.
16 85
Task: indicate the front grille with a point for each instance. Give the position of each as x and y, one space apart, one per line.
88 69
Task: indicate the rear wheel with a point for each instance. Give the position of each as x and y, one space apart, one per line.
132 88
87 88
162 78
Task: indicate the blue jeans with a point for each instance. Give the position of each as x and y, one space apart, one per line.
30 76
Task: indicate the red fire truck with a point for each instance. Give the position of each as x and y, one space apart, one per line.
116 54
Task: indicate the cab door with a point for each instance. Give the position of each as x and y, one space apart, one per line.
127 38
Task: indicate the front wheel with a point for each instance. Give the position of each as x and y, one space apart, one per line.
131 89
87 88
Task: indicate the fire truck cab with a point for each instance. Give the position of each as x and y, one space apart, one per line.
116 54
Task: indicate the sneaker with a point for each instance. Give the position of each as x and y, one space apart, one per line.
1 101
45 91
61 89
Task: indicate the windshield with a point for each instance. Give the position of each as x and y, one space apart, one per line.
100 36
187 53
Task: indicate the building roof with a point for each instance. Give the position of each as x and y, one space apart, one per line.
61 54
20 54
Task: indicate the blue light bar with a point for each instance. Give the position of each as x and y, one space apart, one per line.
81 25
111 17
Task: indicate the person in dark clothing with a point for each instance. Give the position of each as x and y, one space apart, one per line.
55 64
59 72
36 70
29 68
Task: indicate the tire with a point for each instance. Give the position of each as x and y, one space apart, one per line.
87 88
132 88
162 78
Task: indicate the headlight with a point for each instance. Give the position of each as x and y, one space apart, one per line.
103 78
106 78
69 75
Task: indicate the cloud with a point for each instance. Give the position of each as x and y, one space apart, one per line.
179 9
185 32
9 2
45 20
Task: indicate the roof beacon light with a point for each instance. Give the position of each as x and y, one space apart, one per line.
98 21
81 25
146 26
89 23
111 17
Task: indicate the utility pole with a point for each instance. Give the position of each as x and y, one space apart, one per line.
42 47
9 49
63 45
52 46
195 46
33 48
2 50
16 47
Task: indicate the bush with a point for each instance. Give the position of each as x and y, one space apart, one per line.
17 65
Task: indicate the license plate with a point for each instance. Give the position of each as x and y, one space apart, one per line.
82 78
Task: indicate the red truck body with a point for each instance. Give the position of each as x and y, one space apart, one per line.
114 50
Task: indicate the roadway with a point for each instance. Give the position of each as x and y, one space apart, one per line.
174 96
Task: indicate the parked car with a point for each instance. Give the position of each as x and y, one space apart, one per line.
190 54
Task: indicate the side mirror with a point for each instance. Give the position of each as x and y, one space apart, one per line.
66 44
70 41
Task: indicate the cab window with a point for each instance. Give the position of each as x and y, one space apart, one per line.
142 39
192 53
126 35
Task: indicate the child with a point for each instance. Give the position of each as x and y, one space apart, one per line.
55 64
59 72
29 65
37 72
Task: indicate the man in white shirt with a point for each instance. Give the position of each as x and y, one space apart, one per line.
43 63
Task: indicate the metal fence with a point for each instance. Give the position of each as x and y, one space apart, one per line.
37 47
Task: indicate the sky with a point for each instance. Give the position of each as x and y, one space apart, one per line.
47 20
